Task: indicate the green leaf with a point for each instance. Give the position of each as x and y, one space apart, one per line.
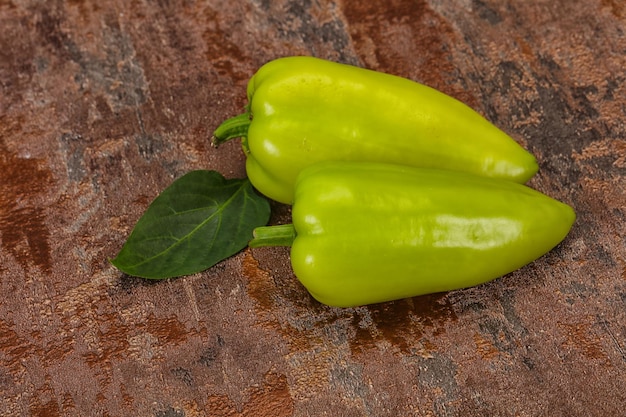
198 221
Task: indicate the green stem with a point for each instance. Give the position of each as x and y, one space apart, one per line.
281 235
235 127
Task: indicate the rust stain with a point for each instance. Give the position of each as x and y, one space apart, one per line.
617 7
68 403
14 347
271 399
402 323
127 397
167 330
406 38
49 409
580 337
221 52
260 285
525 48
484 347
23 229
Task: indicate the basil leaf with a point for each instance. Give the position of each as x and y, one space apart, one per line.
198 221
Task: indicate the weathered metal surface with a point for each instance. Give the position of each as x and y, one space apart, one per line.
103 104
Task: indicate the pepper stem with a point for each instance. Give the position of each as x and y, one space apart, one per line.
281 235
235 127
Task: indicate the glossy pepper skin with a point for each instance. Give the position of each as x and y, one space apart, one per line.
366 233
304 110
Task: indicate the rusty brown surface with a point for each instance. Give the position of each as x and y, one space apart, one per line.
103 104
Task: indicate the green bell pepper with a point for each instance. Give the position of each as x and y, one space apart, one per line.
304 110
366 233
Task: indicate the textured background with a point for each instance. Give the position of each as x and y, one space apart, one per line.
104 104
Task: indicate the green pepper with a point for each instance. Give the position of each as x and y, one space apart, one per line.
304 110
366 233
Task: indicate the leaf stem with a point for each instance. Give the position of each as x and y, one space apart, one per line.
235 127
280 235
